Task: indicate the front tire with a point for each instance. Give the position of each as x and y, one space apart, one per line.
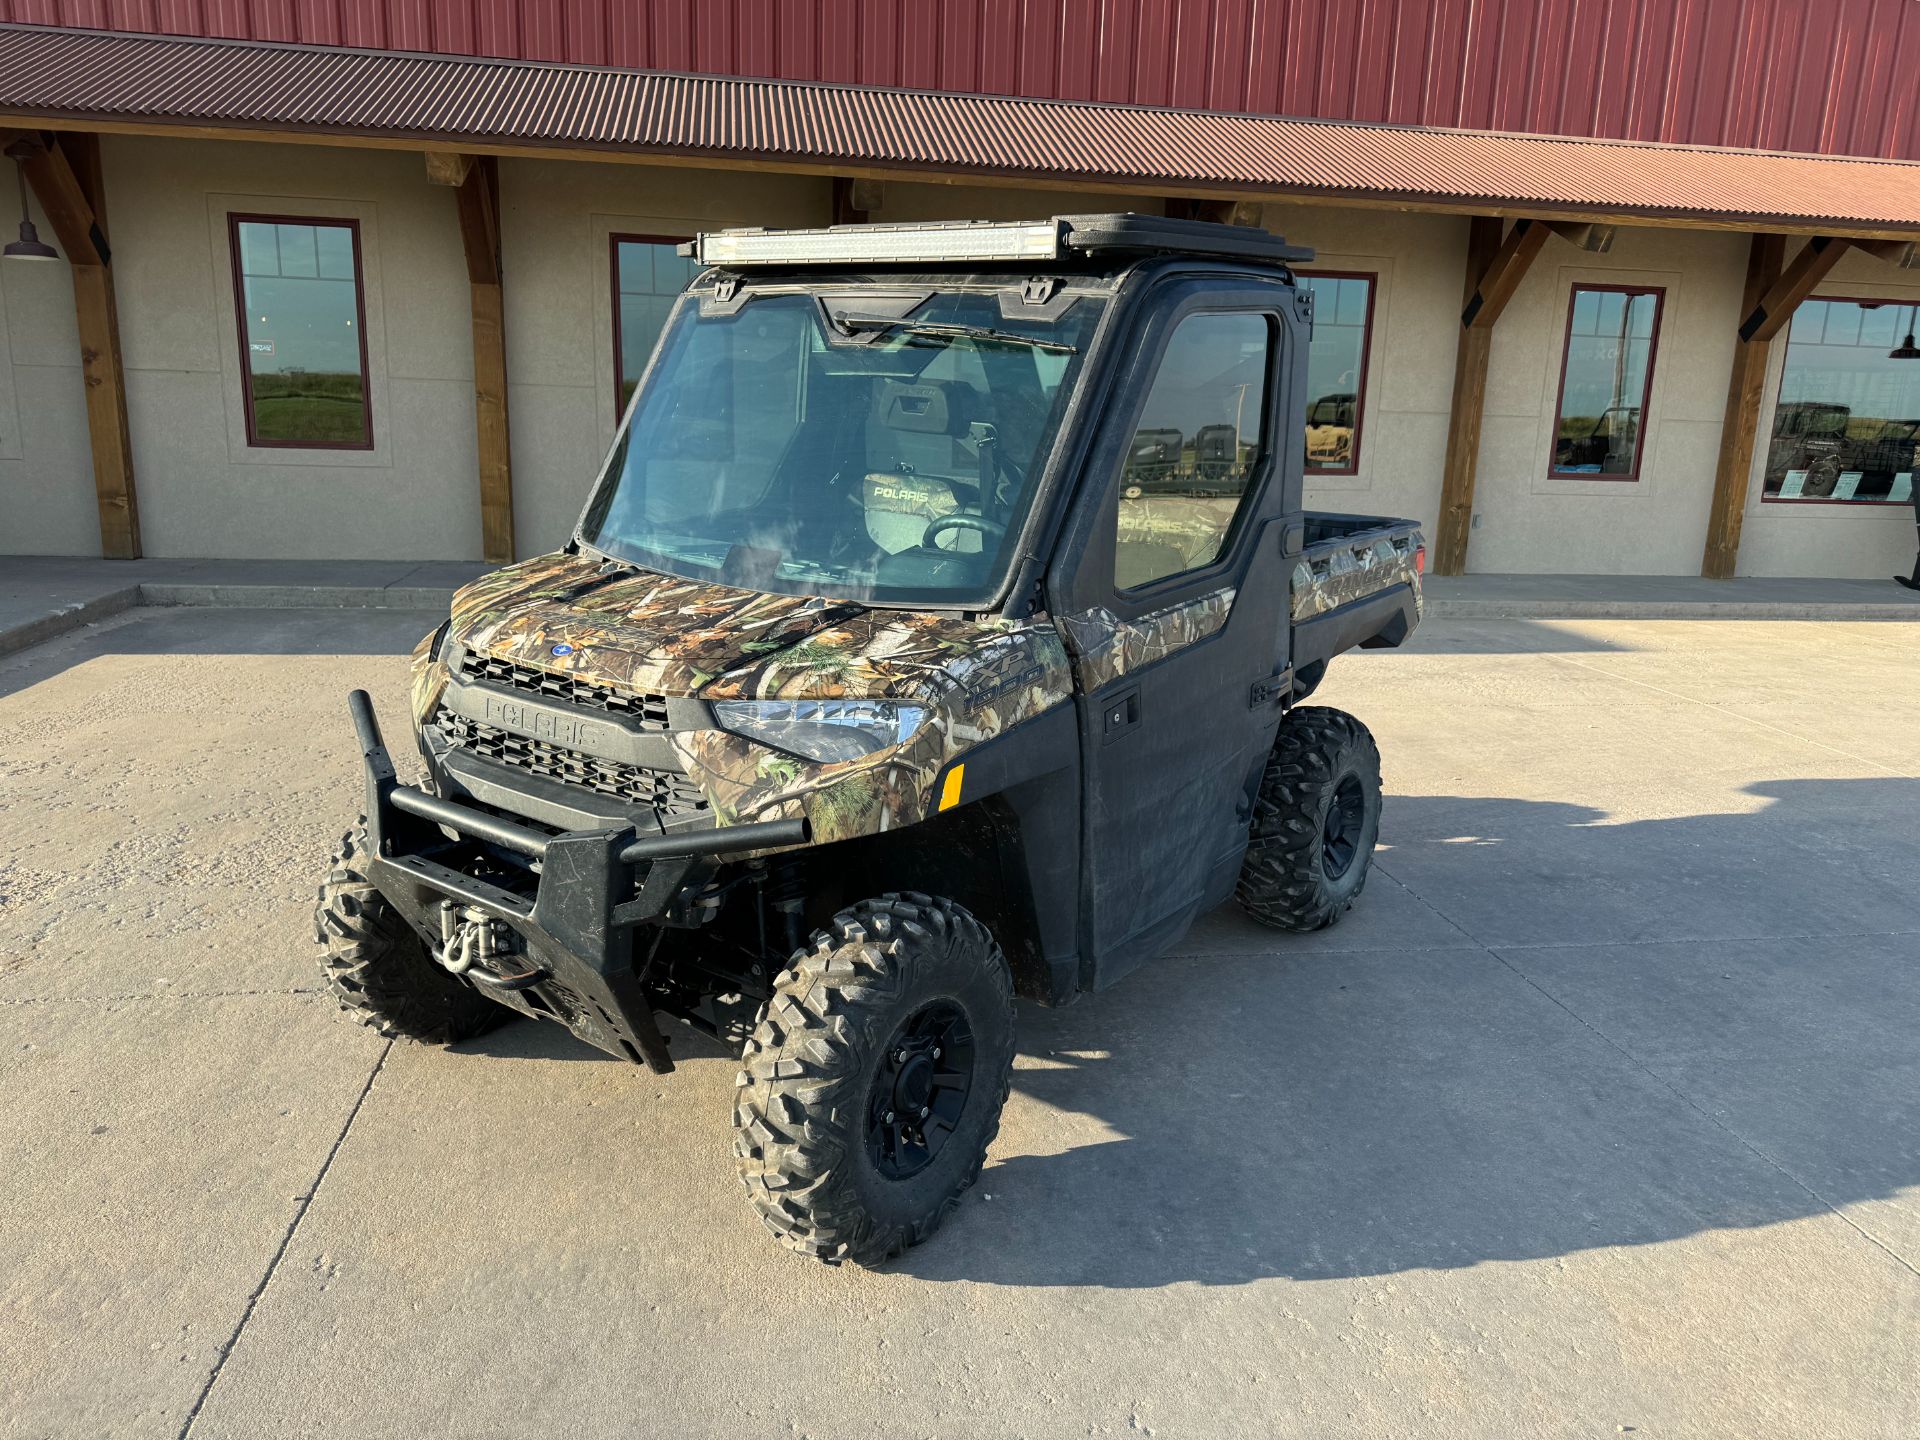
873 1084
1315 822
377 967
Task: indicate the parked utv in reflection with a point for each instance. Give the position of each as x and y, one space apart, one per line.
890 673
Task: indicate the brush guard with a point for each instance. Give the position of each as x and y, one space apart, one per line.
566 953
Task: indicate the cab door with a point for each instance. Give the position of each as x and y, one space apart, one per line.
1176 611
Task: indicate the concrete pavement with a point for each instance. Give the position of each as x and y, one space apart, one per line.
1599 1115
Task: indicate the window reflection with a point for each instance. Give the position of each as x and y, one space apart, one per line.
1607 370
300 326
1195 449
1337 369
648 274
1848 417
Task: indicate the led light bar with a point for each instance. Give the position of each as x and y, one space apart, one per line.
943 243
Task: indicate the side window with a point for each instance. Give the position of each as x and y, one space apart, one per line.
1606 374
302 336
1337 368
1199 441
648 275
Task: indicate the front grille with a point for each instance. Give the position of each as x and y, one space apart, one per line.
671 794
650 711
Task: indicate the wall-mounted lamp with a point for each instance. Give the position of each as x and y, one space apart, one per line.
29 246
1906 349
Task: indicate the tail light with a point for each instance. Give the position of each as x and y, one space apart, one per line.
1420 560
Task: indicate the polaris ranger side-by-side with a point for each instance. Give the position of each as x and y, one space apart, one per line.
932 635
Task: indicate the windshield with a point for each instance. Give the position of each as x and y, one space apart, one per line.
883 461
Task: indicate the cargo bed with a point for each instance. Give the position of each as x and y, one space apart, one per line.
1356 583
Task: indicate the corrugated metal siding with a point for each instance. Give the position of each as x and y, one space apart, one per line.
75 74
1816 76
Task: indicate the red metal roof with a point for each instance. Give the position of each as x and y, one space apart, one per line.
1826 76
83 75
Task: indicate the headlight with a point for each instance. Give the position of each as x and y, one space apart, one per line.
821 729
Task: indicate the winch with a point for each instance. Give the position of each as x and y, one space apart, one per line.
473 941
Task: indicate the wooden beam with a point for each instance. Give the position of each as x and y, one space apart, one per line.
65 176
50 171
1486 300
1772 311
1903 253
1585 235
479 205
845 211
448 167
1474 345
1740 425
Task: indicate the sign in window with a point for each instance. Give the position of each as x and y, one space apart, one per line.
1606 377
303 351
1846 426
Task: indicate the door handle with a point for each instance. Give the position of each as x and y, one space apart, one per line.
1119 714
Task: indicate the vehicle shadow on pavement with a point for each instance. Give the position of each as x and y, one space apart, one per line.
1585 1065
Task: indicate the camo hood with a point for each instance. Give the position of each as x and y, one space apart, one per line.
642 633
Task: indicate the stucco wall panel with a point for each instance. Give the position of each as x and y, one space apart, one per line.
557 219
1860 540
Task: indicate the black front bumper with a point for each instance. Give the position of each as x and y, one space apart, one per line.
590 890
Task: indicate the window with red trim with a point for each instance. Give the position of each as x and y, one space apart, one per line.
1606 375
1337 368
648 275
302 322
1846 428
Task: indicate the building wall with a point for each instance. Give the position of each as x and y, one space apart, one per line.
1528 522
556 223
1865 540
204 492
46 461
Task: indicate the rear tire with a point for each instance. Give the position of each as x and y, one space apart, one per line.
377 967
896 1022
1315 822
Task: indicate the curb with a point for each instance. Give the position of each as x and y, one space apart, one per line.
1441 608
168 593
69 617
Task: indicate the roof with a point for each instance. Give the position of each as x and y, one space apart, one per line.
141 80
1828 77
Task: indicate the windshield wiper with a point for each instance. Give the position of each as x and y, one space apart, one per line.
855 324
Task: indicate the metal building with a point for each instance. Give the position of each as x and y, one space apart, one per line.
1601 288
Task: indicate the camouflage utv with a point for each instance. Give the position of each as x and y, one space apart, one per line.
932 635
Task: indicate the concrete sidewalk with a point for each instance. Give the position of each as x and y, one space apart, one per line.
43 596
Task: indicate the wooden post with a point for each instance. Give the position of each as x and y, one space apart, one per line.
1472 347
1742 419
65 176
479 203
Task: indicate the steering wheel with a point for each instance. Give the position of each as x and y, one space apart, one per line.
986 529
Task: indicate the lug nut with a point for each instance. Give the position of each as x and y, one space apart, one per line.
889 1117
923 1111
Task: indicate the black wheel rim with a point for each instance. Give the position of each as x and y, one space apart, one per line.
1340 832
920 1090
